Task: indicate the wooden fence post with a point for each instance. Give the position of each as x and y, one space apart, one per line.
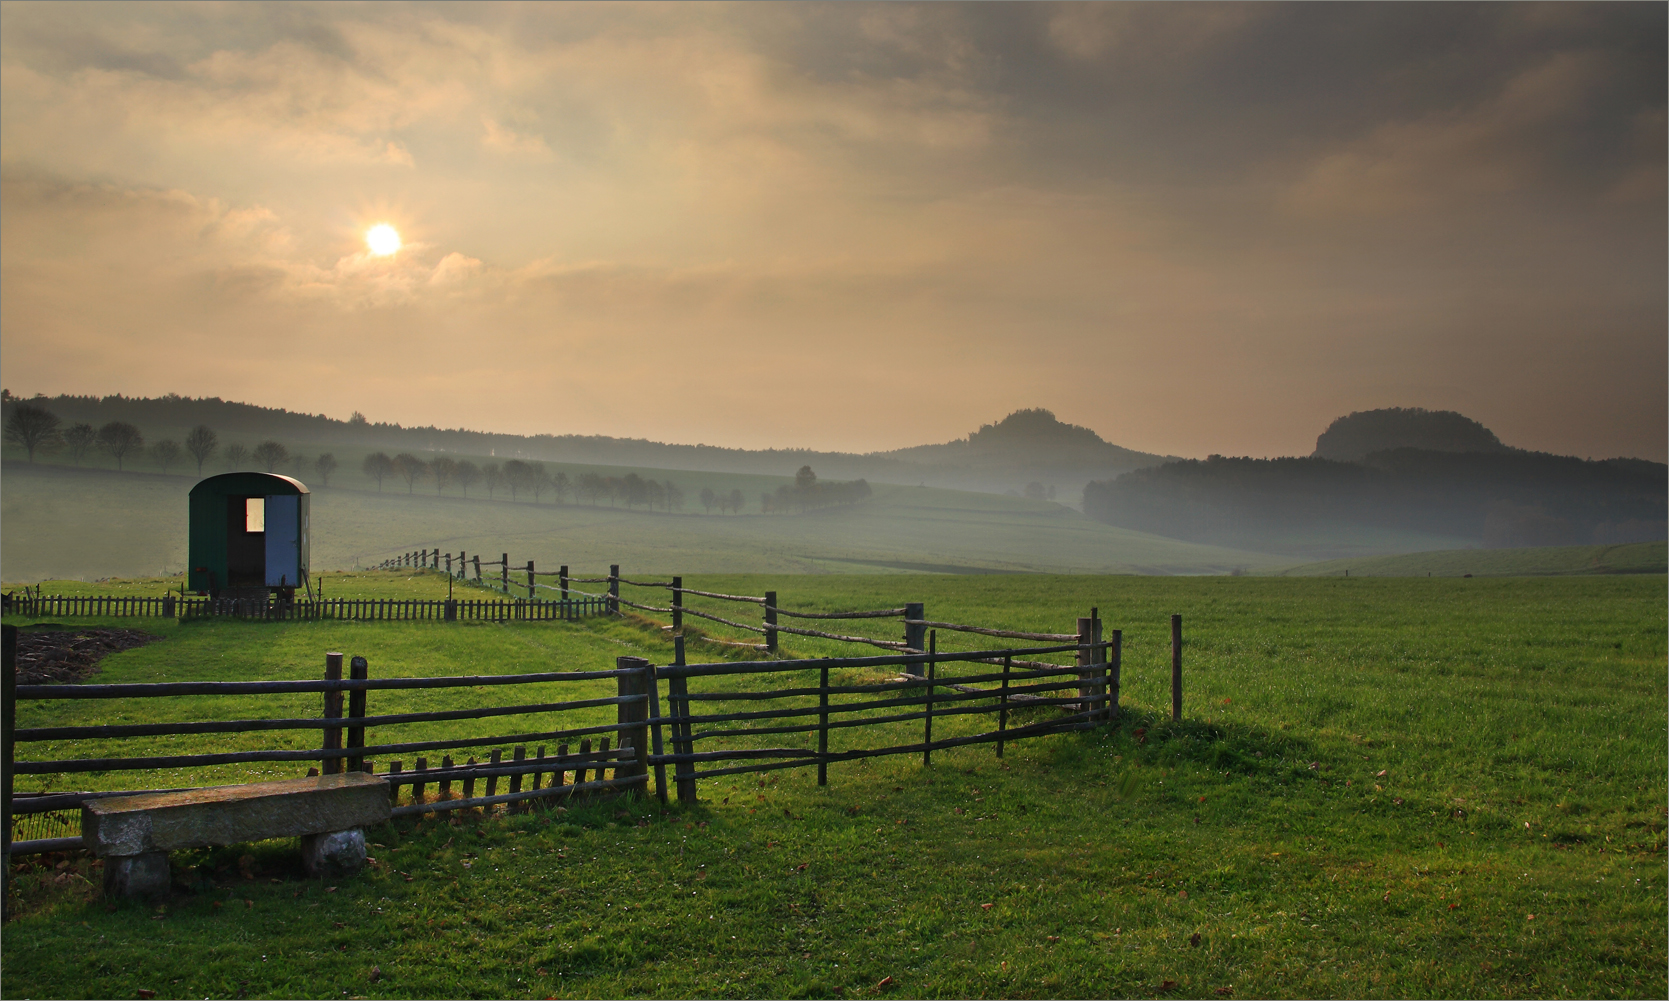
1002 702
530 580
614 589
932 663
677 688
1176 668
659 748
677 604
358 670
562 578
448 564
915 637
333 710
8 726
823 730
477 568
1085 659
632 716
504 573
1114 662
771 621
1099 657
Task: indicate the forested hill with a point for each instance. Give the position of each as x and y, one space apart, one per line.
1036 440
1004 457
1504 497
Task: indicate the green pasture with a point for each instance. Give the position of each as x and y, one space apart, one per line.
88 524
1381 786
1634 557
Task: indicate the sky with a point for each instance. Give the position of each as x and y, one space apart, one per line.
1195 228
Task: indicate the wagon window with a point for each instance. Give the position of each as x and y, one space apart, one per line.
255 514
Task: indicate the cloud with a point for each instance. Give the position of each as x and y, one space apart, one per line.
877 223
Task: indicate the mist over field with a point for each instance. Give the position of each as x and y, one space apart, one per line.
1024 494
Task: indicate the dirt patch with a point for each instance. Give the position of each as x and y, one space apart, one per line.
54 658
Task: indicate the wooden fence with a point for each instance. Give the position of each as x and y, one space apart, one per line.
345 609
694 736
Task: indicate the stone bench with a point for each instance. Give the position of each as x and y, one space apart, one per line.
134 834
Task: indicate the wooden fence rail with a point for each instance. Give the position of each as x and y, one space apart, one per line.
627 751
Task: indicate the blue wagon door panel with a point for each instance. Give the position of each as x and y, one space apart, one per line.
283 540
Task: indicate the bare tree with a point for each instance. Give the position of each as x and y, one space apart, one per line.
674 497
411 469
78 439
269 454
518 476
467 475
708 499
443 468
736 500
540 481
166 452
33 427
120 439
236 455
494 477
560 486
325 464
377 465
201 442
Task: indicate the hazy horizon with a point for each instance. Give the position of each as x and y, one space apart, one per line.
1192 228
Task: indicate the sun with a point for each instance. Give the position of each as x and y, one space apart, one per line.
383 239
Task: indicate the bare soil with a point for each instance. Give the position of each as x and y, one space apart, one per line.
54 658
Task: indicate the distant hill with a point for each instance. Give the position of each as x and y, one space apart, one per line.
1035 443
1358 435
1471 491
1026 446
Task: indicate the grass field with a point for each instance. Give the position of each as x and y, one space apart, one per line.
1635 557
1485 817
90 524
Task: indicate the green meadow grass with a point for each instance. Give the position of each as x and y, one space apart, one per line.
1484 817
1634 557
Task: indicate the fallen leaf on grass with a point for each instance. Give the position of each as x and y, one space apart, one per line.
1379 774
249 904
986 907
1054 938
376 974
330 889
885 982
1453 906
1529 917
146 994
1169 985
1194 940
802 867
1224 991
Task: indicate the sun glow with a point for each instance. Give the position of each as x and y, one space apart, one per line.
383 239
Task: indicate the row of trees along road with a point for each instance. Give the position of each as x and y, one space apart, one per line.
38 430
520 479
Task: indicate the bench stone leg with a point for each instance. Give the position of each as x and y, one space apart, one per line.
339 853
136 875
